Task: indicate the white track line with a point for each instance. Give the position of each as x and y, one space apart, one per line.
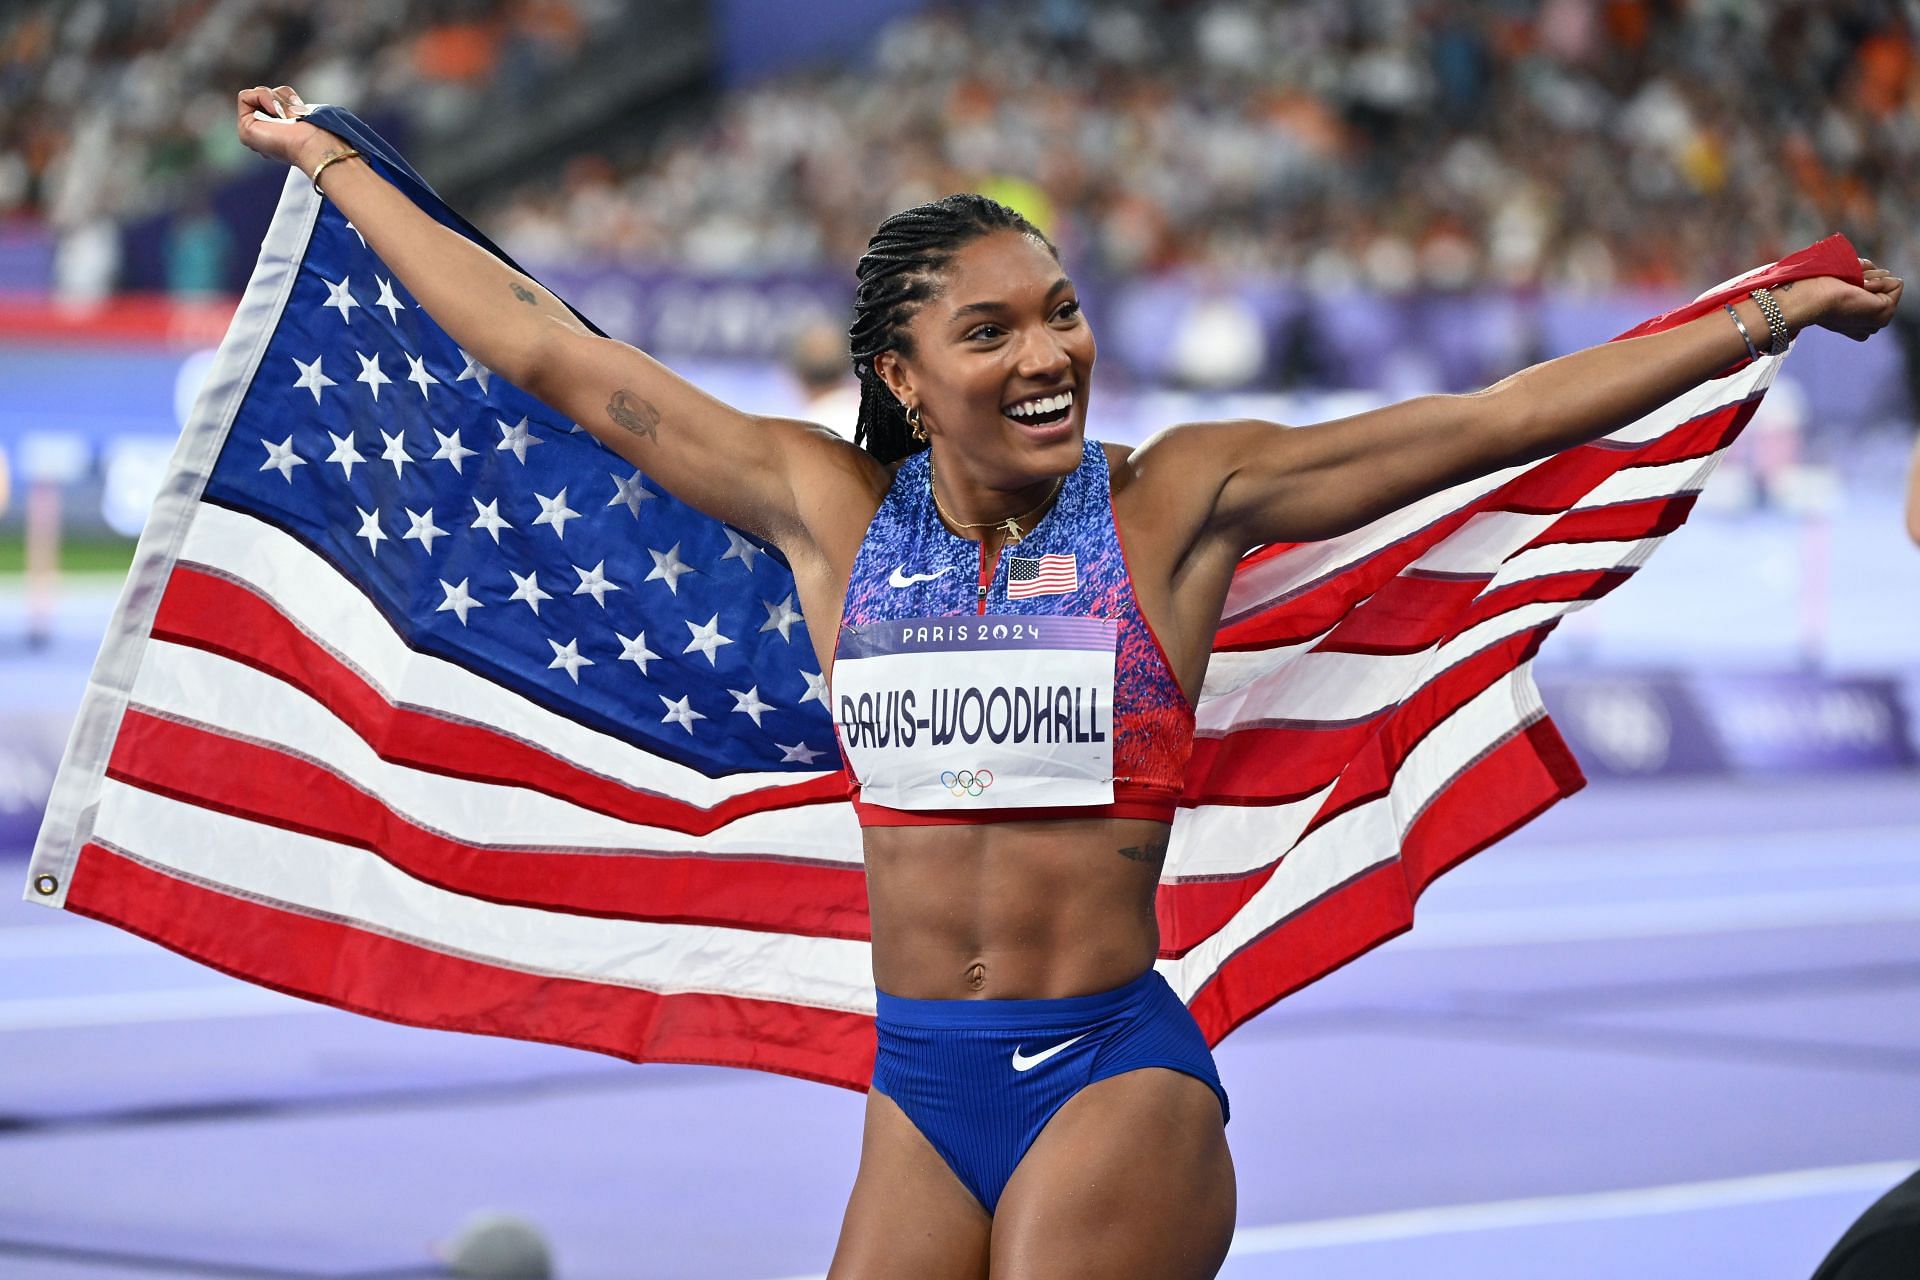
62 941
1682 917
1629 857
1503 1215
237 1000
1637 1202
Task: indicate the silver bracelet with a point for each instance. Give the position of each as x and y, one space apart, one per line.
1753 352
1776 321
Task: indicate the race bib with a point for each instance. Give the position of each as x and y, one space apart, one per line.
987 712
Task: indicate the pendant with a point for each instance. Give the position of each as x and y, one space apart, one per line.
1012 526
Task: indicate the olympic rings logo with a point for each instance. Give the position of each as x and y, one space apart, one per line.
966 782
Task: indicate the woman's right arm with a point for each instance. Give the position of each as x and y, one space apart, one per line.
773 477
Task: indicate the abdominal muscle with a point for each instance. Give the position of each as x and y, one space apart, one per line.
1013 910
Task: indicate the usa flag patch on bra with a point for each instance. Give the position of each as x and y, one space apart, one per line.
1048 575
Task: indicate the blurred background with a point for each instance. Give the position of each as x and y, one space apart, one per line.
1292 211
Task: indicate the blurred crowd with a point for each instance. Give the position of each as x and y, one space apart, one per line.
112 109
1399 143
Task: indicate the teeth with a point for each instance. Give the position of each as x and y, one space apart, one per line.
1041 408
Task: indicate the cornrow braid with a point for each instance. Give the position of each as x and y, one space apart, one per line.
899 271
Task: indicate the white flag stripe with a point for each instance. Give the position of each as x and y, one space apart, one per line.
1339 687
1315 686
190 684
1482 543
1573 557
1261 585
1231 839
1488 538
307 590
1295 682
335 881
1665 480
1368 834
1202 850
1206 853
1236 668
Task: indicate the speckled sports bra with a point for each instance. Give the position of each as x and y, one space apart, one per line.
966 690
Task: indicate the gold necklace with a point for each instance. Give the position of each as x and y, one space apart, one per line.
1011 524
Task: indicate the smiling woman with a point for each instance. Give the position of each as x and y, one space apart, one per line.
1017 620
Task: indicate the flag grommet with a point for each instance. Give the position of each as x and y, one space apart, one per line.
46 886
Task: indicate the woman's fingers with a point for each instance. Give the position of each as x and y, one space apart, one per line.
283 103
258 98
290 104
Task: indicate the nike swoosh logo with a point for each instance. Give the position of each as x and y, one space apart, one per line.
1023 1063
901 578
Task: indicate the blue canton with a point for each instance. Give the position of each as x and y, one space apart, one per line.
495 534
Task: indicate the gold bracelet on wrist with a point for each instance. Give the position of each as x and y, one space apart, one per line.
1776 321
348 154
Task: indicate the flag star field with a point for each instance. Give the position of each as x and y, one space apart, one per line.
492 533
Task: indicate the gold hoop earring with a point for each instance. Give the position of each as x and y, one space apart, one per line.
916 426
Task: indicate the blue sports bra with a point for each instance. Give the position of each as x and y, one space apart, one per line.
968 690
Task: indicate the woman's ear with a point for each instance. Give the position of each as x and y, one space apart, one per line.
893 375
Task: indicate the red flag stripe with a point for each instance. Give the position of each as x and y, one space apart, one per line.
305 955
1503 791
1192 907
316 876
310 592
1287 614
210 612
270 786
190 685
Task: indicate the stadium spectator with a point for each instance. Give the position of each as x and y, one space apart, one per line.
1401 144
111 111
1426 144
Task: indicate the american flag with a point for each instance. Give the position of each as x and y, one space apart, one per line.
420 703
1048 575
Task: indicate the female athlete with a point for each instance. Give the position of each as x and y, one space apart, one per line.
1043 1105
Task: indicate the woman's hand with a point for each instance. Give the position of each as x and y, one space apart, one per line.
287 137
1858 312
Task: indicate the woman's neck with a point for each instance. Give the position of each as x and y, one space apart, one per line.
972 509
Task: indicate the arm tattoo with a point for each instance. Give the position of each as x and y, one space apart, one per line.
1153 851
523 293
633 414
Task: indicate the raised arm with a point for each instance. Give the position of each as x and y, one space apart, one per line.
1278 484
773 477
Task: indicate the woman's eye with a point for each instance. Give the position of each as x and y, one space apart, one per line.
985 331
1069 309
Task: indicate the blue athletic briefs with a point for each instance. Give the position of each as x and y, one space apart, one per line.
981 1078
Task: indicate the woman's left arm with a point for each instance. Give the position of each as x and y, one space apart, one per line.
1282 484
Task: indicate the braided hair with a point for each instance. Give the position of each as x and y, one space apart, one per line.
899 271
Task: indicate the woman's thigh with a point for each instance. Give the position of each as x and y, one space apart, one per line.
908 1214
1131 1178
